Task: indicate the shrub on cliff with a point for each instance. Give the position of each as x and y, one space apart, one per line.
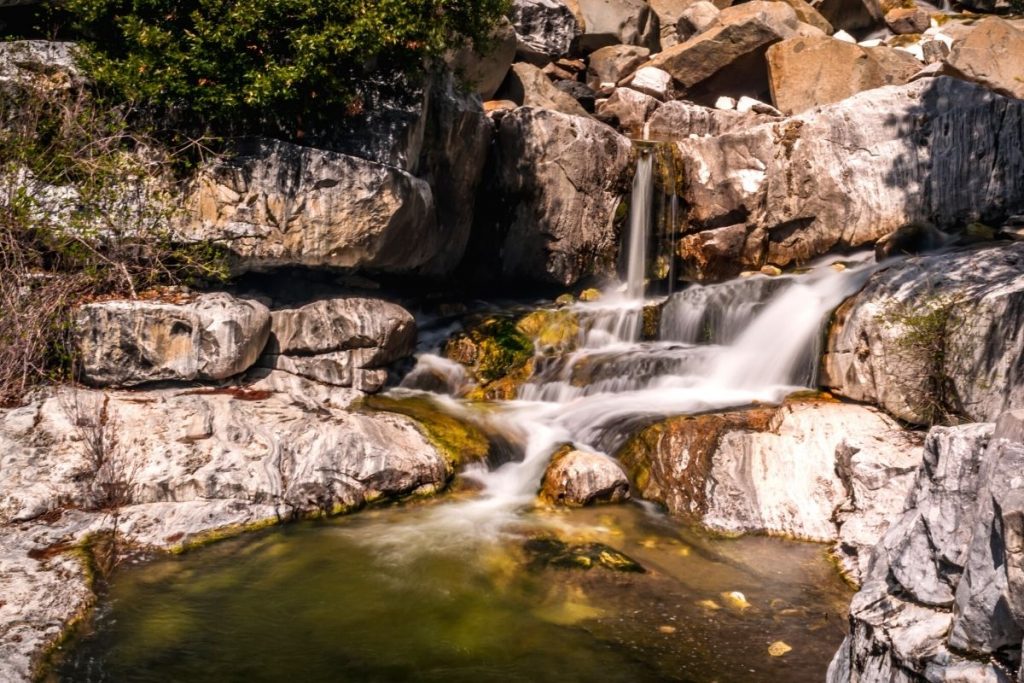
266 66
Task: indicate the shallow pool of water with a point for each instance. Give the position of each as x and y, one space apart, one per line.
384 595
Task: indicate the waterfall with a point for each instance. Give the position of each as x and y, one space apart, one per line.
752 340
639 225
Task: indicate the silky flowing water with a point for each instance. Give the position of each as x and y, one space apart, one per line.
487 586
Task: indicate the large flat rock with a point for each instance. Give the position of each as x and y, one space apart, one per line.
213 337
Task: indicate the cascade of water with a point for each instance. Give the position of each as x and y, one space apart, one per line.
673 209
639 225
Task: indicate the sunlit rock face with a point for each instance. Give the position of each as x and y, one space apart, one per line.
933 151
935 337
213 337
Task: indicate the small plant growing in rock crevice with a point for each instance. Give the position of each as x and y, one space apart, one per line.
925 333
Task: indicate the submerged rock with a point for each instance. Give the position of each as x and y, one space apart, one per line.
213 337
818 470
576 478
550 552
792 190
935 337
940 601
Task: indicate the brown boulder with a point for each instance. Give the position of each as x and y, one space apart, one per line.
527 86
577 478
613 63
808 72
903 20
808 15
728 58
992 55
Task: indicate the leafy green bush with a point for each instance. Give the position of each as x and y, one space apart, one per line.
278 67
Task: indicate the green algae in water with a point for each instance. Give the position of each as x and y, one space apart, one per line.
330 601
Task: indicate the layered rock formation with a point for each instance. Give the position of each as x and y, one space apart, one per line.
213 337
556 183
940 601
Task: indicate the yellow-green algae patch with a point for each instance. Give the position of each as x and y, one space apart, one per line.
458 441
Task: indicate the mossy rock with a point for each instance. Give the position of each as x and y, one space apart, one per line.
590 294
551 552
458 441
504 388
551 330
490 349
651 322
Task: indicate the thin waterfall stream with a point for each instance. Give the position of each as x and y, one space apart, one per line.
440 587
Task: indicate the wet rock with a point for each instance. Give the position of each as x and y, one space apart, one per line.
549 552
125 343
808 72
485 70
276 204
492 349
993 55
811 469
545 29
577 478
527 85
611 64
902 20
628 109
345 342
812 184
955 546
555 185
850 15
614 22
934 337
728 57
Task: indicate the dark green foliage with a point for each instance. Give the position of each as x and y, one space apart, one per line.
279 67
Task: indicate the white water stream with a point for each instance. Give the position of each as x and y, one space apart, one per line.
726 345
